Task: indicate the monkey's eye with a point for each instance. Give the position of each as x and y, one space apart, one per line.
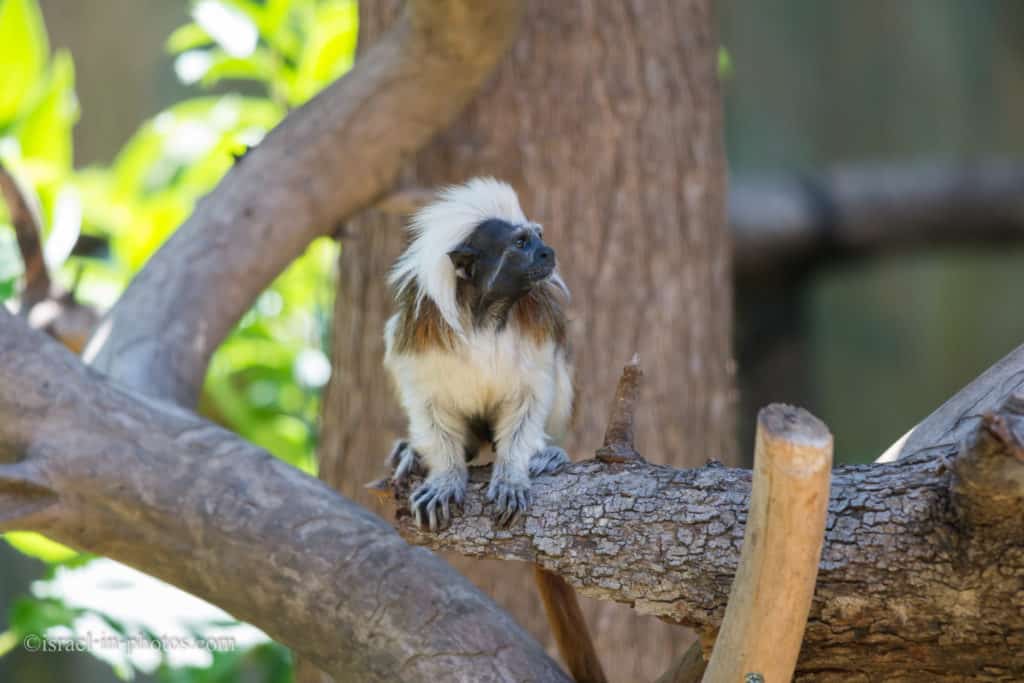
521 243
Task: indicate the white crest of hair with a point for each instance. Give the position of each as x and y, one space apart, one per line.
439 228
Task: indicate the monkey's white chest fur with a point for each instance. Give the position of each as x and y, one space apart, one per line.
488 375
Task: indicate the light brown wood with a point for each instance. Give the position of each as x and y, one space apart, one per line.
771 593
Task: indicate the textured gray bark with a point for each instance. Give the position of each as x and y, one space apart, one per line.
901 594
112 472
324 163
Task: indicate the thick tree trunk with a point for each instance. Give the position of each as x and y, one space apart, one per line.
605 116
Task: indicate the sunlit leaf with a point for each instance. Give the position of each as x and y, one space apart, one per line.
191 66
188 37
258 66
233 29
23 50
65 227
38 546
45 131
329 50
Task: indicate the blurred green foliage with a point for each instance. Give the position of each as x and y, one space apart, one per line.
266 380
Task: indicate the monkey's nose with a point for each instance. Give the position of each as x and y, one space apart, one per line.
546 255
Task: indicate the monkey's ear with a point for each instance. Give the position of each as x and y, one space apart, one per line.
463 257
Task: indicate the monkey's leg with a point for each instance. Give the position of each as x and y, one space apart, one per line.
440 444
519 435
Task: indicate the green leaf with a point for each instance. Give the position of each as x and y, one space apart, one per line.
23 50
188 37
38 546
259 66
8 288
329 50
37 615
45 131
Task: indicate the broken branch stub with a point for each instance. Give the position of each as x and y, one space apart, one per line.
987 489
618 437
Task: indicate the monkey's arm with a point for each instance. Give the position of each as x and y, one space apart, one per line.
437 438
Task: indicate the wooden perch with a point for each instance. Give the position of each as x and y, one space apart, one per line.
328 160
771 594
618 437
893 595
28 231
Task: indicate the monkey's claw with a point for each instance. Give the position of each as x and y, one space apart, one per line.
547 461
431 502
404 462
511 499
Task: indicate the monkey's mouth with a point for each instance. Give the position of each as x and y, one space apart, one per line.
539 273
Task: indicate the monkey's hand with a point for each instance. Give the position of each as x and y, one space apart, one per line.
431 501
510 494
548 461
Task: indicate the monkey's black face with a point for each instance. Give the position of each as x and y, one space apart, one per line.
501 262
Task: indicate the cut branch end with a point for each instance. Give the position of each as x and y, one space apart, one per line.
987 488
771 593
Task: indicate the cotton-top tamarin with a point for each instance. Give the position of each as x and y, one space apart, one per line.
477 349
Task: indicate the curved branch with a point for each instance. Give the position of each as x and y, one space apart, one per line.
154 486
943 433
324 163
667 542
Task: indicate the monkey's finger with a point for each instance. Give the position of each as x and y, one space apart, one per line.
432 514
523 499
446 511
404 467
417 512
395 457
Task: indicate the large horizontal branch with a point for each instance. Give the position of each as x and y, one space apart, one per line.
111 472
902 592
323 164
785 220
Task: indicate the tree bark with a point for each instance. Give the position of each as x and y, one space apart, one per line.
606 118
110 471
905 590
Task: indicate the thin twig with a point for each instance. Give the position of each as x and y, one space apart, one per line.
27 229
